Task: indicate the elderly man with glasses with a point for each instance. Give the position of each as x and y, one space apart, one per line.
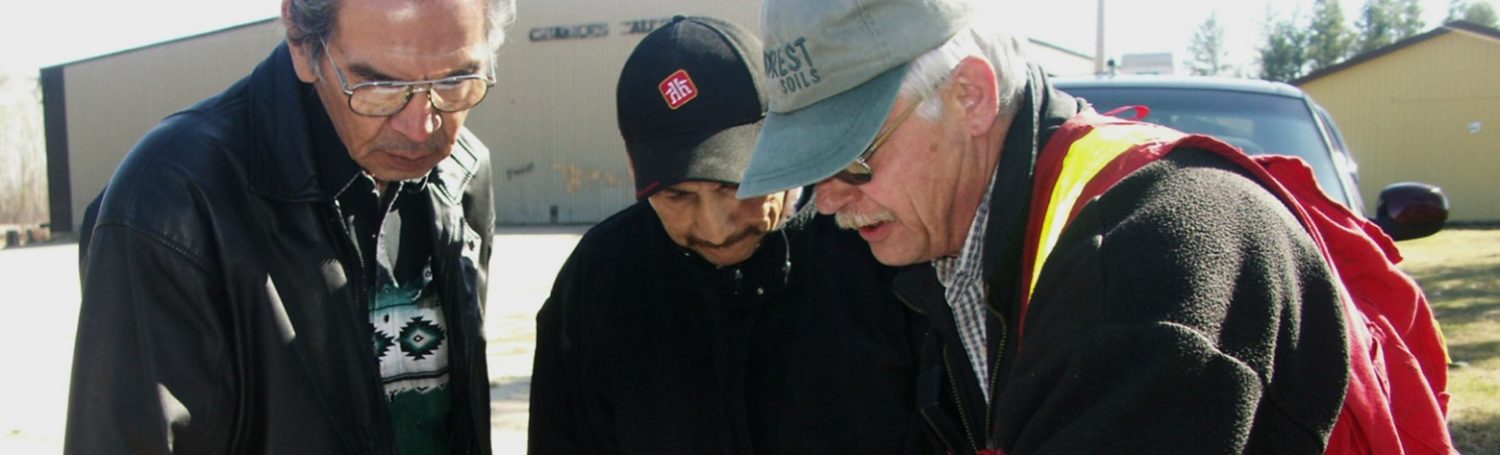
1088 291
298 264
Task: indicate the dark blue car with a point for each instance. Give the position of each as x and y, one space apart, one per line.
1267 118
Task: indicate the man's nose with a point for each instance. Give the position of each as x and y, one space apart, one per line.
716 219
417 120
832 195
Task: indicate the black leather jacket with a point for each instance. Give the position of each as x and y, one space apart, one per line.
222 306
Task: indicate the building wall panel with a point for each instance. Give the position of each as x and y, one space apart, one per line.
112 101
1429 112
550 121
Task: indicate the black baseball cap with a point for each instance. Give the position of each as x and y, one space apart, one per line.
690 103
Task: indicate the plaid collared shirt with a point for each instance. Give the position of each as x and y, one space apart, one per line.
963 280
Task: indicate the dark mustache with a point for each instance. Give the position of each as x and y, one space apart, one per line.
731 240
389 141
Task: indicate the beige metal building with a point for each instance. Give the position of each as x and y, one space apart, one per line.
1423 109
550 122
96 109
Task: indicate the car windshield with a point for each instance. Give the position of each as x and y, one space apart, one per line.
1258 123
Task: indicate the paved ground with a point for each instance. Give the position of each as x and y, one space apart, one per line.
521 272
41 285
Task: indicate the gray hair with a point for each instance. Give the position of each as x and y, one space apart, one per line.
984 38
311 22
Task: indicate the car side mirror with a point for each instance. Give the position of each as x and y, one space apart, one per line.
1411 210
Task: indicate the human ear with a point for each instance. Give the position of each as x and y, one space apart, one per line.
304 67
976 92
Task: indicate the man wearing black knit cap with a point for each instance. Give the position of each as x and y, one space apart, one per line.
695 322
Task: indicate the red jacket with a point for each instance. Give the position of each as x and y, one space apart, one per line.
1397 399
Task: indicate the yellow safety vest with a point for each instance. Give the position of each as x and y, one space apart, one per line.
1398 372
1094 159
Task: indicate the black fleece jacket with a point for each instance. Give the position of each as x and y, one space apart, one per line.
1184 311
645 348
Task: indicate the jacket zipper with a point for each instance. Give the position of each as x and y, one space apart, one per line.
958 399
935 430
939 432
361 300
346 242
444 251
989 411
953 384
908 305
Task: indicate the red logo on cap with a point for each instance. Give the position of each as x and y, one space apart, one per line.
678 89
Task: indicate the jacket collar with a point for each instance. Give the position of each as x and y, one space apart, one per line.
295 155
1043 110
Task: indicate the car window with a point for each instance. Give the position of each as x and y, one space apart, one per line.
1343 160
1257 123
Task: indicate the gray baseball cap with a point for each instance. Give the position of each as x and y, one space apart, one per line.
833 69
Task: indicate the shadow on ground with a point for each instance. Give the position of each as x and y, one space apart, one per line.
1479 438
1474 352
1462 295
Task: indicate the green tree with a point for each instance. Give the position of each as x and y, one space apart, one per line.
1456 10
1483 14
1408 19
1206 51
23 181
1376 25
1328 40
1477 12
1283 55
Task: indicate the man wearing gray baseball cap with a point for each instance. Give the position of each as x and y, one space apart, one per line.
1078 303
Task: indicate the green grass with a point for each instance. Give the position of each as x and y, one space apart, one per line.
1460 271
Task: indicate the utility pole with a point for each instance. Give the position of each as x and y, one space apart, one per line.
1099 41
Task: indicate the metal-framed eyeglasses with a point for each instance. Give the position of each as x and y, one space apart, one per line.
859 172
385 98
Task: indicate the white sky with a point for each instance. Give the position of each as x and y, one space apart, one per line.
41 33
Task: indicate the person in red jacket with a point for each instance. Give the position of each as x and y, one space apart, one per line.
1183 310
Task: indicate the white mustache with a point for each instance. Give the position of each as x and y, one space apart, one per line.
849 220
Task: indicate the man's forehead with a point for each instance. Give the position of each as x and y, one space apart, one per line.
413 11
410 63
426 31
382 58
